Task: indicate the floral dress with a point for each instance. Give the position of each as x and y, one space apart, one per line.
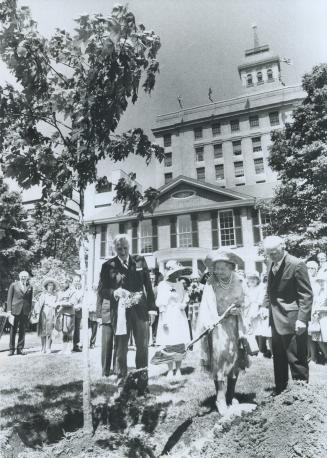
173 326
46 309
219 351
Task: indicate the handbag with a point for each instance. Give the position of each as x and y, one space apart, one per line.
314 326
34 318
243 361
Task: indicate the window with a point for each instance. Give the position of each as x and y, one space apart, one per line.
103 241
219 168
218 151
270 74
168 161
261 225
168 177
274 118
200 173
216 129
113 230
103 185
145 236
237 147
167 140
259 78
226 226
258 165
235 125
199 154
254 121
249 80
184 231
198 133
256 144
239 169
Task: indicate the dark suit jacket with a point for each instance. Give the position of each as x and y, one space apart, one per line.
289 295
136 278
19 301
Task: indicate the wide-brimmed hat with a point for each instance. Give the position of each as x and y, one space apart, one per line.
224 255
253 274
48 280
176 269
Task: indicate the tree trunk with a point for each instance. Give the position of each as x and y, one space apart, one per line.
87 406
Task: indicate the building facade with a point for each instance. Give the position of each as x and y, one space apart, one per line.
215 169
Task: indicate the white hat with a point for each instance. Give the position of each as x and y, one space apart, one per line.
173 267
48 280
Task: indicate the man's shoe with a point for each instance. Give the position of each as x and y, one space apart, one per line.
77 350
92 347
21 353
11 353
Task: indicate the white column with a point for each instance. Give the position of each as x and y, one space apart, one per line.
195 267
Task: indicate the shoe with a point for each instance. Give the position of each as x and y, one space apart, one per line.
178 375
77 350
21 353
222 407
92 347
170 376
11 353
143 392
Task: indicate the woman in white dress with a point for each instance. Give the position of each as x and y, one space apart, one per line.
172 300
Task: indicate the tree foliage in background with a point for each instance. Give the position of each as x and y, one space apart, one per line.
54 234
73 89
15 241
299 155
61 118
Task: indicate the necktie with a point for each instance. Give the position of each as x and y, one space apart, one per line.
275 269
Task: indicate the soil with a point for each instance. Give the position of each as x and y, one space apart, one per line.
180 420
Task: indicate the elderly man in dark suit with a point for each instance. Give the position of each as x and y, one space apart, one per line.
289 298
128 273
19 305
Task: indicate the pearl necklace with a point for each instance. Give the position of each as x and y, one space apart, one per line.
223 284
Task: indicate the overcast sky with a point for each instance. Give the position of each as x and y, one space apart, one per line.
203 41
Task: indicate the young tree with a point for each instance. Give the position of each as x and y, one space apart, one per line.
60 119
15 241
54 234
299 155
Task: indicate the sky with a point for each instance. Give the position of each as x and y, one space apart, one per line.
203 41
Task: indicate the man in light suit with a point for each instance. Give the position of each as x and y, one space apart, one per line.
289 299
19 305
130 273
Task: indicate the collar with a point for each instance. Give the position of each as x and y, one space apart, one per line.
277 265
124 263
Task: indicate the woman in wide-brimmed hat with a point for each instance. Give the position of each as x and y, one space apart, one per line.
219 352
45 309
172 300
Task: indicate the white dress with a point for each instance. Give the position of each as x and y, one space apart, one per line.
173 326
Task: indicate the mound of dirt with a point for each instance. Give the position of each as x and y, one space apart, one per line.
291 425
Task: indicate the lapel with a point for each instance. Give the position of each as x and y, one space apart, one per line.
21 289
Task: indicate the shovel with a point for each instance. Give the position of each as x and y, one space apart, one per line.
171 353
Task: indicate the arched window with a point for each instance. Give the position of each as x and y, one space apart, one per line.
259 77
249 80
270 74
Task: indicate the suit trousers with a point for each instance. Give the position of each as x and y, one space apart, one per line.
20 322
106 348
140 329
77 330
289 350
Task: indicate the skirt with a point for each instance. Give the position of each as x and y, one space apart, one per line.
46 321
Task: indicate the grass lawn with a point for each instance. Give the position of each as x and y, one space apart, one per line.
41 394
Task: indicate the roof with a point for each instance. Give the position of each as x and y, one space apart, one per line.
202 197
228 108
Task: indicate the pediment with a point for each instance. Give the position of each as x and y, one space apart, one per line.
188 194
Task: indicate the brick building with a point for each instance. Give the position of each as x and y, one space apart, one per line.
215 168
